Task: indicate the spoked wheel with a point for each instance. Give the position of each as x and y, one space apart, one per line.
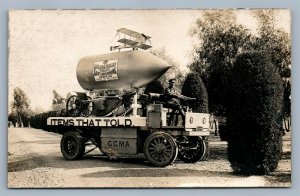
72 145
73 106
160 149
193 150
87 107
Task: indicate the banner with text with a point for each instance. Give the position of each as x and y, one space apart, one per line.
98 122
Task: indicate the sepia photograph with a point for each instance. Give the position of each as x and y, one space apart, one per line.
152 98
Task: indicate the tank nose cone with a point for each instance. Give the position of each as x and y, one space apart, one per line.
158 67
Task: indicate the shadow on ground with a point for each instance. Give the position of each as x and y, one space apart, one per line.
157 172
279 177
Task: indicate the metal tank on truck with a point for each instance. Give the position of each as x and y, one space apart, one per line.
116 118
119 70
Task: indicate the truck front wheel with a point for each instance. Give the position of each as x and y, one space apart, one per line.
160 149
72 145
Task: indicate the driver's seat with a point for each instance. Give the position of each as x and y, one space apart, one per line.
173 114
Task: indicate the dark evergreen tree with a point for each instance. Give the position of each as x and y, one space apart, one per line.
154 87
254 115
194 87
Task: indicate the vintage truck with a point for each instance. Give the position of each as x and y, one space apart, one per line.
130 123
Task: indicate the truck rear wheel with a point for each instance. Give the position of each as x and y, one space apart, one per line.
193 151
72 145
160 149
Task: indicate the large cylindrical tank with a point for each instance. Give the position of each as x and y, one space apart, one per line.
119 70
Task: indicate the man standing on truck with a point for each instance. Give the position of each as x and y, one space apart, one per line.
173 100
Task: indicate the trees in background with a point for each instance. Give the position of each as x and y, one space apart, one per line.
20 105
57 98
220 40
174 71
13 118
58 102
274 41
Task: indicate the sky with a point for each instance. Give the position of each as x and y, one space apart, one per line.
46 45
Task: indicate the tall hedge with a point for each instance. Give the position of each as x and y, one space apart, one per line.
194 87
254 115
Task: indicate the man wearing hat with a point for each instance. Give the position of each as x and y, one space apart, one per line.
172 99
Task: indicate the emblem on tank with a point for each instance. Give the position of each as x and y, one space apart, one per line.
105 70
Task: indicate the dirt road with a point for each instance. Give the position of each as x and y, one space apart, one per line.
34 160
